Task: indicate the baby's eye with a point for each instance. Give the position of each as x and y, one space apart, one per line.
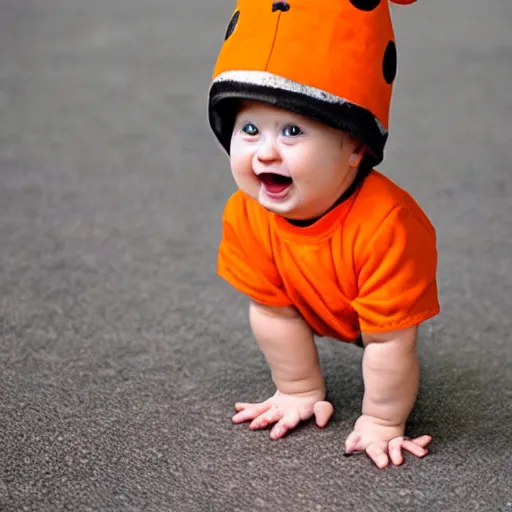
292 130
250 129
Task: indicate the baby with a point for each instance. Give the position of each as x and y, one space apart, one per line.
321 242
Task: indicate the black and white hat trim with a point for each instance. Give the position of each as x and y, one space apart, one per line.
302 99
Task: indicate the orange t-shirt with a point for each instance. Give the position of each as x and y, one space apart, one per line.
369 264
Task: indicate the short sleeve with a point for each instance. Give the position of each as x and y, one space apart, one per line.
244 260
396 274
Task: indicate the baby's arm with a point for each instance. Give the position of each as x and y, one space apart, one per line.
391 378
288 345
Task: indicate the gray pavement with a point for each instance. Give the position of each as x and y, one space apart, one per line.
122 353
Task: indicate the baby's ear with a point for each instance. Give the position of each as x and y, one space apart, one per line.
356 156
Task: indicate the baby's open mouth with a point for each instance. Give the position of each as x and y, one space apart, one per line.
274 183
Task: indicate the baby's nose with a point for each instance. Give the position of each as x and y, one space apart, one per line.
280 6
267 151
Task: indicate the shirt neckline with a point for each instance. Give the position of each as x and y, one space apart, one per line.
324 225
320 229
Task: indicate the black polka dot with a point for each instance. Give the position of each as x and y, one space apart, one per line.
232 24
390 63
365 5
280 6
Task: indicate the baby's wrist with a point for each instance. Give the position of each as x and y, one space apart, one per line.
380 427
379 421
393 413
304 388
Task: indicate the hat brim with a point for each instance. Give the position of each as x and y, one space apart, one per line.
308 101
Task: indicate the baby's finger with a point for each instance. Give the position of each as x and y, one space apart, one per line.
422 440
270 416
352 441
251 412
323 412
413 448
286 423
395 451
378 455
240 406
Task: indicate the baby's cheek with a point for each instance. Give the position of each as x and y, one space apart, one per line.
242 168
244 177
240 159
303 166
313 172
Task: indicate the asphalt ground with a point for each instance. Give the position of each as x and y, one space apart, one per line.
121 351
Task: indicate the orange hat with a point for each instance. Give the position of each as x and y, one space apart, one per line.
334 61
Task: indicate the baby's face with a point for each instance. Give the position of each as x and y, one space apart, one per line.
292 165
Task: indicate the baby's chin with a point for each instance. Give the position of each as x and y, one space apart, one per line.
284 207
301 213
288 209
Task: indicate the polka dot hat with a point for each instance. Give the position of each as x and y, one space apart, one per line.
334 61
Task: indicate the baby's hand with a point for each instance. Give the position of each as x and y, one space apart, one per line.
287 411
379 441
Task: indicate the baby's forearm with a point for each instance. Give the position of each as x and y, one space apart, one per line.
287 343
391 378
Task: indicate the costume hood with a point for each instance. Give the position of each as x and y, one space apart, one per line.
331 60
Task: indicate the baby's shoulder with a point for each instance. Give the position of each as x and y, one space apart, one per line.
246 216
381 200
